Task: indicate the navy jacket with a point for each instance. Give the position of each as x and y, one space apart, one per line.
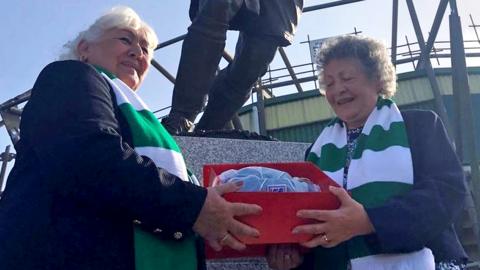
425 215
77 185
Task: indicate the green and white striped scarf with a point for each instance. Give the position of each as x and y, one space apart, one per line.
150 139
380 168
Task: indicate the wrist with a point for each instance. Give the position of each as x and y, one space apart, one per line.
366 226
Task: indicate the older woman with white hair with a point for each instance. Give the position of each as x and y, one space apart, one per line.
402 184
98 183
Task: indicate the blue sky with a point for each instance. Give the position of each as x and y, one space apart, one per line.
34 32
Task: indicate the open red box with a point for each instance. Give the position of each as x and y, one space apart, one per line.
279 209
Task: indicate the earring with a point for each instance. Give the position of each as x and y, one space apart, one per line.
83 58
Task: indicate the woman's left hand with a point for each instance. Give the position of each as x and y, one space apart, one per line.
335 226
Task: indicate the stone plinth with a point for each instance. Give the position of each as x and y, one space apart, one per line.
199 151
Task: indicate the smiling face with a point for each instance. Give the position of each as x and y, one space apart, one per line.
123 52
349 91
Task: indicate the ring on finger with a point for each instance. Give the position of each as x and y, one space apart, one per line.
224 239
325 238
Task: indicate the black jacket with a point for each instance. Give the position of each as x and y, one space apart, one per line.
77 185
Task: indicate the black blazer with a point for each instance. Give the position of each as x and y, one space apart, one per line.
77 185
424 216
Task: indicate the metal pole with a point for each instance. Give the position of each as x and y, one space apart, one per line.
394 31
290 69
458 84
439 106
410 51
474 28
162 70
442 7
446 55
16 100
261 110
285 83
461 88
313 66
171 41
328 5
5 160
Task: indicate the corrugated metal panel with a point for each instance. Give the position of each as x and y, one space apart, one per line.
297 112
245 119
474 82
302 133
414 90
319 109
286 114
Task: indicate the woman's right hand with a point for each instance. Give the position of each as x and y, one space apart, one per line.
284 256
216 222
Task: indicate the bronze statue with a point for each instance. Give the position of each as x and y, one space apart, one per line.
264 25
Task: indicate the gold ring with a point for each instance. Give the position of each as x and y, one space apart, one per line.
224 238
325 238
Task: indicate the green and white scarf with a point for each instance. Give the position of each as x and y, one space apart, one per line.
150 139
380 168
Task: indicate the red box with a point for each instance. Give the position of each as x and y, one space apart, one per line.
279 209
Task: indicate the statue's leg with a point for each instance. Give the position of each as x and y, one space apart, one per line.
201 53
232 85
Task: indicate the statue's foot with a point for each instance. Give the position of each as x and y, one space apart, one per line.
176 124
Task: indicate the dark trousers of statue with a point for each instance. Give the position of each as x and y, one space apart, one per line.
202 50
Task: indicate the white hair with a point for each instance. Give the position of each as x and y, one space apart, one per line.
117 17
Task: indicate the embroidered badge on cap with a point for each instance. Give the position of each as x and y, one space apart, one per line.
277 188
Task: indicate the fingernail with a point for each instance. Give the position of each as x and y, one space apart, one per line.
295 231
